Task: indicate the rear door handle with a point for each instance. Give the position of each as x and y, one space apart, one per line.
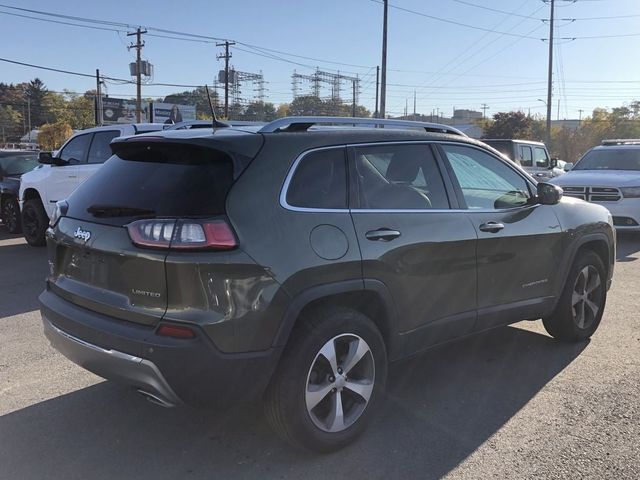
384 234
492 227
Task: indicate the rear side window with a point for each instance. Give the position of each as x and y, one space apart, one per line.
320 181
399 177
159 180
75 151
100 150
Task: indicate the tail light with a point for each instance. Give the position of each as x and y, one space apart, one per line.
185 234
175 331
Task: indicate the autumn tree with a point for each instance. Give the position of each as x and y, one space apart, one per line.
53 135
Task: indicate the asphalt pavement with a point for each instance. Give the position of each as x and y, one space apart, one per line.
508 404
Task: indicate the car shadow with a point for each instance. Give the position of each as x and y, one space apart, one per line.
22 273
628 247
439 408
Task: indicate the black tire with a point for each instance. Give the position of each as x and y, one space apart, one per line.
576 322
34 222
287 395
11 214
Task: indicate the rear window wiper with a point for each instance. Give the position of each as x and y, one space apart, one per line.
119 211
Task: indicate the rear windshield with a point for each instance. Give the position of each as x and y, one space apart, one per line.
155 181
610 159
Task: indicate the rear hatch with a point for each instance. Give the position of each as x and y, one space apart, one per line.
108 252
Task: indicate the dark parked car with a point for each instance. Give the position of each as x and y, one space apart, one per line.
13 164
293 262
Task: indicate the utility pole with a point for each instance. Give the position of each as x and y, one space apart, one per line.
580 116
558 109
353 82
138 46
383 85
484 108
29 112
377 112
414 105
226 57
550 76
99 114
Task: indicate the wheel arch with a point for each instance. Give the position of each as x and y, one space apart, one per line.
30 194
369 297
598 243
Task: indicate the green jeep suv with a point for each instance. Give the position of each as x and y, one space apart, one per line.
293 261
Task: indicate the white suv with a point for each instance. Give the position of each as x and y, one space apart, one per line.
609 174
62 171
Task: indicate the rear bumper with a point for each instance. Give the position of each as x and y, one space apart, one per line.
113 364
170 370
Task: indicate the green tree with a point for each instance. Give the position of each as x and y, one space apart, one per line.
260 111
10 124
306 105
508 125
35 93
197 97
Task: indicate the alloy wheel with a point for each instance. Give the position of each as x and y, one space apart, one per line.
10 216
586 298
340 383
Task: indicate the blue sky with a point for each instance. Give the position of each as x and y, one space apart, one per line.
448 65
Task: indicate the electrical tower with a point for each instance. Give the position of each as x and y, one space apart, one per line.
327 86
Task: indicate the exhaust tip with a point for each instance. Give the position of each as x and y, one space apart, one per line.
156 399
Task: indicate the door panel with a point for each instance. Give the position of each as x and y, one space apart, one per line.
518 262
413 243
519 242
429 269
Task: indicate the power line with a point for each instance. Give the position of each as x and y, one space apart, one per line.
453 22
504 12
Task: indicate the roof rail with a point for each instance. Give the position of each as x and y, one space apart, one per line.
301 124
622 141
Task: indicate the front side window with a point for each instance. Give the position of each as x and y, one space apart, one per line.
541 157
75 151
485 182
399 177
320 181
100 150
526 157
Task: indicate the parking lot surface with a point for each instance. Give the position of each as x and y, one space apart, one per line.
510 403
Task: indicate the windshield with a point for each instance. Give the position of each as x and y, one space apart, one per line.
17 163
610 159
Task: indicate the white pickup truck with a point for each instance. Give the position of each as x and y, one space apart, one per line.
532 156
62 171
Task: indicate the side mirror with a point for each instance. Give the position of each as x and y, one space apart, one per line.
553 163
45 158
548 194
568 166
